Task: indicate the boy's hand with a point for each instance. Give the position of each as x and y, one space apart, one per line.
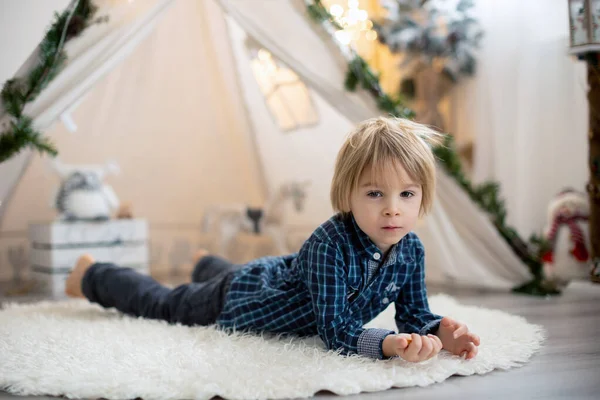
457 339
411 347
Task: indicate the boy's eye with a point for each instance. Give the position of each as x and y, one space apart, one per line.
375 193
407 194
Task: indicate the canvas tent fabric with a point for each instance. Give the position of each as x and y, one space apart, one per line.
169 93
103 47
462 245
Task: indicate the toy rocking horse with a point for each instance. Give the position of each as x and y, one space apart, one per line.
229 220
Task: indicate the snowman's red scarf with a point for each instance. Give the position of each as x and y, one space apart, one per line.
579 250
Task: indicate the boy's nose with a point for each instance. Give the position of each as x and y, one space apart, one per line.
392 210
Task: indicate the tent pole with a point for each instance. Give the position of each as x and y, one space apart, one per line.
260 166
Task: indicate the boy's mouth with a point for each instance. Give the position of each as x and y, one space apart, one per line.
392 228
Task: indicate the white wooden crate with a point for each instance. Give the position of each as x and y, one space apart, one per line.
72 233
64 258
56 246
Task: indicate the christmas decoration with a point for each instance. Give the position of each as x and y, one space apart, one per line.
436 33
437 39
19 133
566 256
82 194
485 195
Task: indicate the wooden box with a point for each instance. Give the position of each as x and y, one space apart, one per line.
56 246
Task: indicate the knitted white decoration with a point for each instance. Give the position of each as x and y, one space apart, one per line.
82 195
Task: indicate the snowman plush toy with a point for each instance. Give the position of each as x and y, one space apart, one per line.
82 196
567 232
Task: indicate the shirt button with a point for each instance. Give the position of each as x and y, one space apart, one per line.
376 256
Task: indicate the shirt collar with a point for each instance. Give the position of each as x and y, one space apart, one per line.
366 247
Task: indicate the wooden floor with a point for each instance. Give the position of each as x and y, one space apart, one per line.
568 367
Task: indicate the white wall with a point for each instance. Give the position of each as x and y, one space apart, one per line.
526 107
23 24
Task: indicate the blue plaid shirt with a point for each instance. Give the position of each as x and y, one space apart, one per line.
335 284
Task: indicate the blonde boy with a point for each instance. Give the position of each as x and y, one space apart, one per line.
349 270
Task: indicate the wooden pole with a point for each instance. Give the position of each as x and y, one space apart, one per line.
593 186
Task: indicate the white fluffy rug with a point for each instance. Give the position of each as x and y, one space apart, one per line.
77 349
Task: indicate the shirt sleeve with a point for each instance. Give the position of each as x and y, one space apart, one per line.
326 280
412 308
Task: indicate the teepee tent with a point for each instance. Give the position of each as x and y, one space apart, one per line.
166 88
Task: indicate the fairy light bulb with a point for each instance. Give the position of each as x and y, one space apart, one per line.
336 10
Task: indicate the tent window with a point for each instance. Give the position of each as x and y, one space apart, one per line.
286 96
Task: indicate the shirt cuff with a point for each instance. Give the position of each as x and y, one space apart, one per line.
370 341
431 327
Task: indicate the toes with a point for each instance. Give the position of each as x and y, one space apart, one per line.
85 261
198 255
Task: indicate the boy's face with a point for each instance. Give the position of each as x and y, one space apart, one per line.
386 205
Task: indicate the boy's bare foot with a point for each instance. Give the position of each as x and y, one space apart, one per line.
73 283
188 269
199 255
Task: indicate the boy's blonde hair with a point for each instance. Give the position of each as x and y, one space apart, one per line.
382 143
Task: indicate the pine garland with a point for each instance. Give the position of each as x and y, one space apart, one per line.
359 72
485 195
17 92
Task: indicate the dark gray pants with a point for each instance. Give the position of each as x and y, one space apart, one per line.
196 303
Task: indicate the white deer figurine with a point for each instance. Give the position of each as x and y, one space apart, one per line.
230 219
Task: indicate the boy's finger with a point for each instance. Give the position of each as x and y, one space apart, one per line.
435 347
413 349
402 343
436 339
403 340
403 352
436 342
472 351
439 342
426 347
416 339
461 330
448 322
474 338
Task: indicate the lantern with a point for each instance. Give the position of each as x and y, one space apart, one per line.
584 24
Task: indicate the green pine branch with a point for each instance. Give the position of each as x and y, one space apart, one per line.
17 92
20 136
